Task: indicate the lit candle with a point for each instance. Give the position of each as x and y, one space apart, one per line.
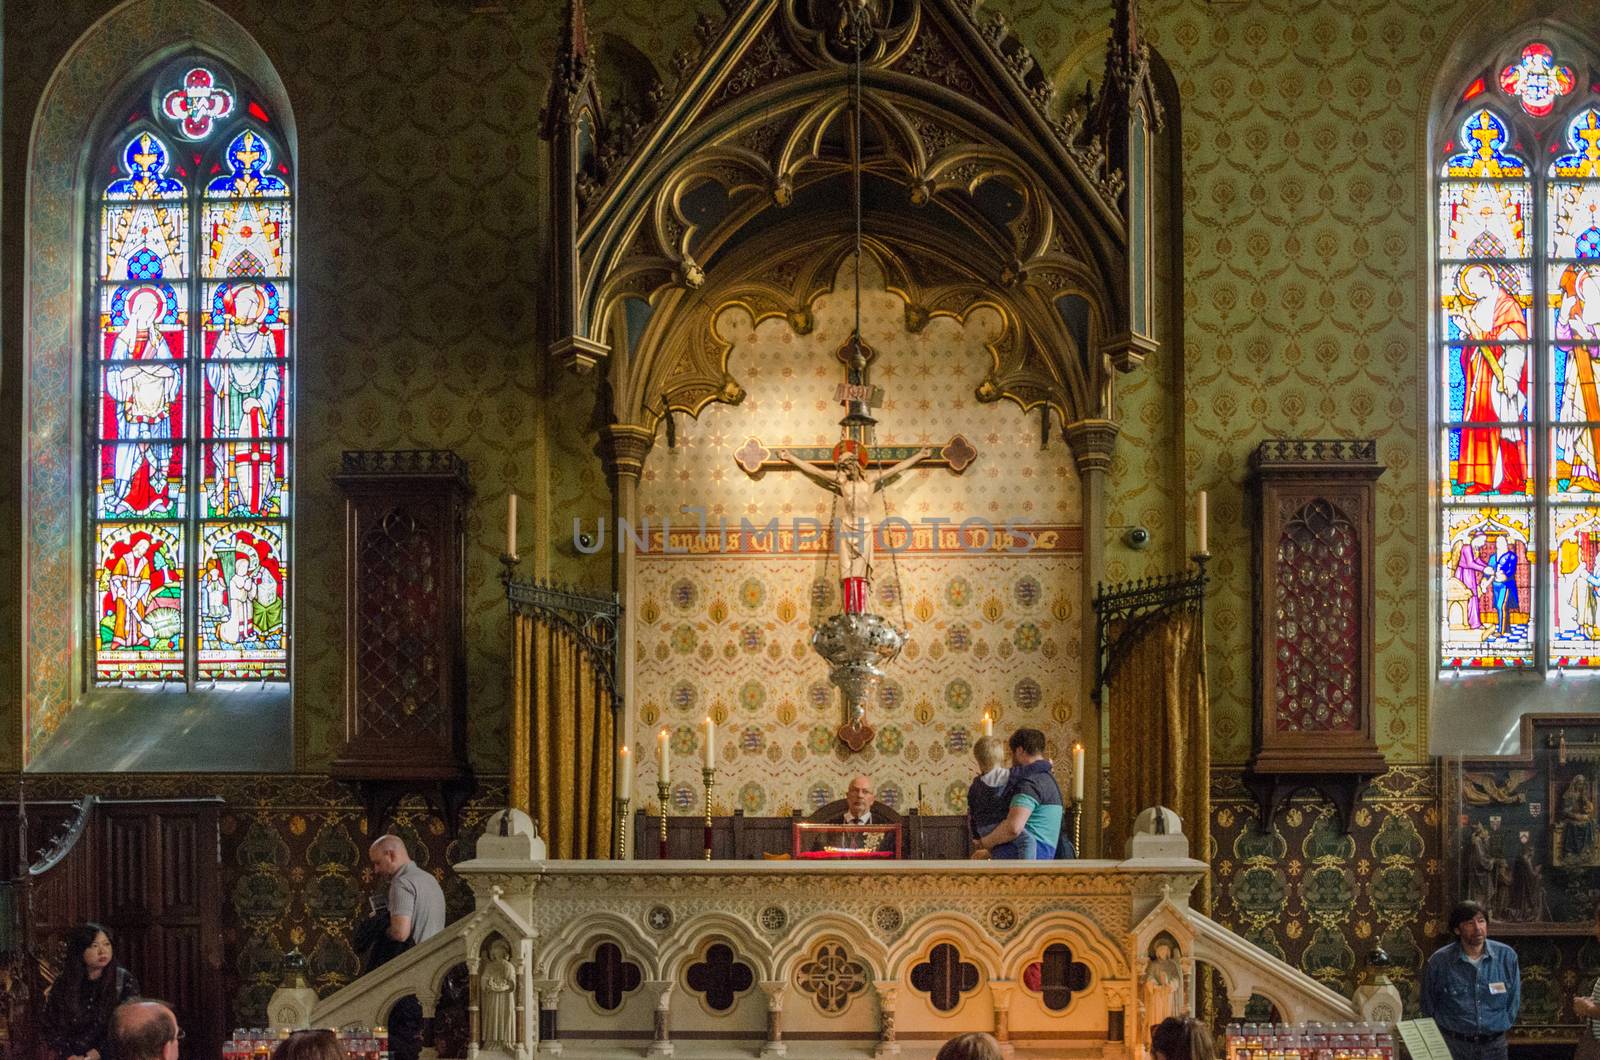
1077 772
511 525
624 773
988 725
663 755
1200 525
711 744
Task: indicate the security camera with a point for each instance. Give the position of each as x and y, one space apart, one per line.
586 541
1137 538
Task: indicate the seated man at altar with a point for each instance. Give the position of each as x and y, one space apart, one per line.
862 827
1032 828
858 798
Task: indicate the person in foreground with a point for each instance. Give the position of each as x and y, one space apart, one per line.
1181 1038
1032 827
1472 987
310 1045
974 1046
77 1014
145 1030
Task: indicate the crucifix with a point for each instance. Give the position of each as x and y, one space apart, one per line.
854 470
854 642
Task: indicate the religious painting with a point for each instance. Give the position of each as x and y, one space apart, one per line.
1484 219
245 412
1575 304
1488 586
190 392
144 240
1483 139
252 173
245 238
243 575
1574 839
1574 218
139 592
1575 585
1488 376
144 162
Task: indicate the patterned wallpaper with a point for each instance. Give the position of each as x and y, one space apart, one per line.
1300 262
1302 293
1322 900
729 634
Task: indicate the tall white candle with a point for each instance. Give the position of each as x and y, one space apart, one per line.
511 525
1077 772
711 744
1201 544
988 724
663 755
624 773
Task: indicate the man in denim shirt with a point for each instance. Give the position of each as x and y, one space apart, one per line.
1473 988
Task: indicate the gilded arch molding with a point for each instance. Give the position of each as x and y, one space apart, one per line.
997 196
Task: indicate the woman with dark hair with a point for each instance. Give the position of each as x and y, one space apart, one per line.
1181 1038
975 1046
77 1013
310 1045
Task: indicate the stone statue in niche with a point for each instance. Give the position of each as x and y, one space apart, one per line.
1573 836
1482 867
1161 989
497 986
1527 886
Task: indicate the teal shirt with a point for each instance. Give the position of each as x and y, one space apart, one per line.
1044 822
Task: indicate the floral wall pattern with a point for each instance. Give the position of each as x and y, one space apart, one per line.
726 631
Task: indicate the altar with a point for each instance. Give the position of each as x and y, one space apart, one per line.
824 958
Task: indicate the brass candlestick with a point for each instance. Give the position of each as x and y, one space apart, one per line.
619 846
710 776
1077 828
662 792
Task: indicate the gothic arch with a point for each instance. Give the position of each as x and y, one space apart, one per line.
124 44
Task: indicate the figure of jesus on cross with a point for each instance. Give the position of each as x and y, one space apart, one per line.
854 533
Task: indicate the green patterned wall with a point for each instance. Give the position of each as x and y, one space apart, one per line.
1322 900
1304 249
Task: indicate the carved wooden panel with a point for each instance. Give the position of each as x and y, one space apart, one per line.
1314 582
405 670
1317 646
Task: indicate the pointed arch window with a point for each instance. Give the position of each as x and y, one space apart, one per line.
190 372
1517 344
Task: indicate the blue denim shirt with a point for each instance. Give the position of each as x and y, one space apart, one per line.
1459 996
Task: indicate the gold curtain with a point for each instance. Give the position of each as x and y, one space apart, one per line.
562 732
1160 728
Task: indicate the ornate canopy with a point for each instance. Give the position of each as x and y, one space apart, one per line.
734 187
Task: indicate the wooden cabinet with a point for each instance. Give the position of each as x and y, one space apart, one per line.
1313 602
405 685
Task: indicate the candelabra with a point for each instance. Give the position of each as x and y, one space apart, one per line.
710 776
662 792
619 846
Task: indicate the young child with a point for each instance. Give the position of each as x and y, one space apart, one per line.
987 804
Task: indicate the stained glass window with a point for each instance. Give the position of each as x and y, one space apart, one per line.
191 364
1518 332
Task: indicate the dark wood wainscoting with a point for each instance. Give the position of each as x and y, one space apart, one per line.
150 871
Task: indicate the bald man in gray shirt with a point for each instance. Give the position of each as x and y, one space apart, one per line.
416 901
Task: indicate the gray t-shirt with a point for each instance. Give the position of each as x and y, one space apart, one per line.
413 892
